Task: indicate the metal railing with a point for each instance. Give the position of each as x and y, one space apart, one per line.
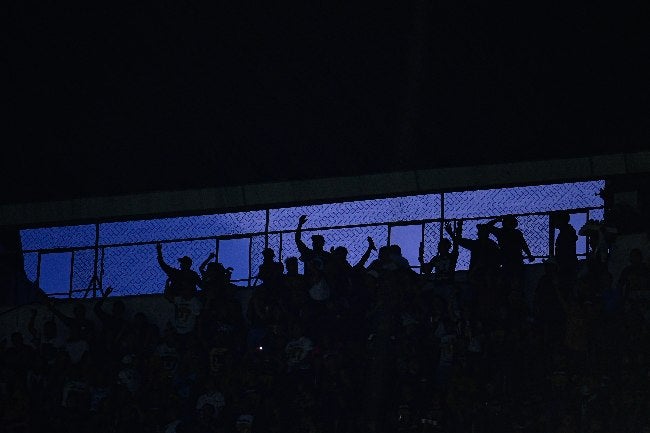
131 267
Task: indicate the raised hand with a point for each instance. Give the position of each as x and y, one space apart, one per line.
107 292
371 244
449 230
302 220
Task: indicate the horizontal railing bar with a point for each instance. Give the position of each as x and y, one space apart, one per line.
288 231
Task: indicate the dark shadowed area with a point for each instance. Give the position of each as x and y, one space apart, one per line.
110 99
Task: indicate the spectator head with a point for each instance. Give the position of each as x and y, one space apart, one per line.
185 262
384 253
444 245
395 250
636 257
318 242
341 252
292 265
268 254
561 219
509 221
482 230
221 270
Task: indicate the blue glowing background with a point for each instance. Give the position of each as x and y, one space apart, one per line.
128 259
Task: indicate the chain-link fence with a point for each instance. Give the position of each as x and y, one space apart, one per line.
81 260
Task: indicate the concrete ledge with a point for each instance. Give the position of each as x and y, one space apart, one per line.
282 194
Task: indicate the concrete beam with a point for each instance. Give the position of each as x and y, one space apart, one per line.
279 194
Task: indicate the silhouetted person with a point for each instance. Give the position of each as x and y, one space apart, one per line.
270 271
179 281
443 263
340 256
565 247
512 244
291 265
395 253
209 276
315 260
316 256
339 270
215 279
483 266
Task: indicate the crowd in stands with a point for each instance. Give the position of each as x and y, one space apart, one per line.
373 346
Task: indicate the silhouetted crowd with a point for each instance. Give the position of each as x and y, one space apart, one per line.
344 347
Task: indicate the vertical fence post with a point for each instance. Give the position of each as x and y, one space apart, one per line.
422 239
71 274
250 260
442 215
38 270
266 228
587 237
388 240
551 236
101 272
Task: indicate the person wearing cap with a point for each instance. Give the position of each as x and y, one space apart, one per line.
181 281
483 265
512 244
565 247
317 253
316 260
270 271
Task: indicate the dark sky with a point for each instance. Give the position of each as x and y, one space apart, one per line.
111 99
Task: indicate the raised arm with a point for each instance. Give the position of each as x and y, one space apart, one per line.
164 266
465 243
205 263
424 268
524 247
454 235
362 262
490 226
302 248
